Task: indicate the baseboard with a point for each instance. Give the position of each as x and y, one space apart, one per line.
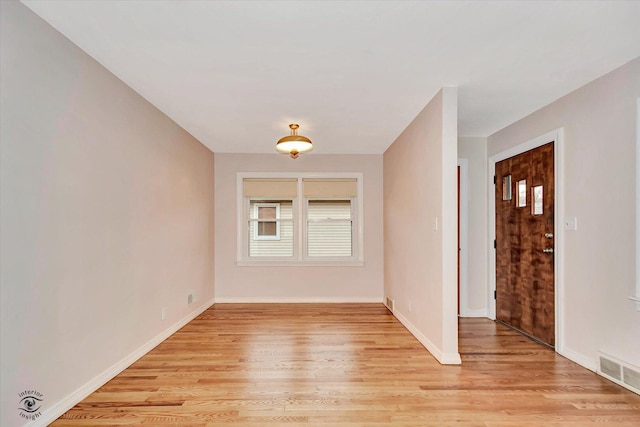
474 313
578 358
299 300
62 406
442 358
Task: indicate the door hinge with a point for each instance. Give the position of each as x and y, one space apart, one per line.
495 180
495 244
495 294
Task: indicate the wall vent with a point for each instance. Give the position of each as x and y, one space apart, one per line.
389 303
631 378
620 372
609 368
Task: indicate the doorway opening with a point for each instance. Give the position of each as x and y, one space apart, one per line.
463 210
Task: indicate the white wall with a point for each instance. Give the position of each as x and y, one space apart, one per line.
599 122
297 284
106 216
420 187
475 151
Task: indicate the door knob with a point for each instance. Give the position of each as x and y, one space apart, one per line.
548 250
548 235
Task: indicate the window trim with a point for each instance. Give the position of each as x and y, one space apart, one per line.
299 219
256 224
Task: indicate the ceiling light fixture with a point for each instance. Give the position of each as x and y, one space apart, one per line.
294 144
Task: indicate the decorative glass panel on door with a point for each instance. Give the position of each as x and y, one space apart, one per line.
536 200
506 188
521 200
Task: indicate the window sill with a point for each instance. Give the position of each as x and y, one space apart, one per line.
295 263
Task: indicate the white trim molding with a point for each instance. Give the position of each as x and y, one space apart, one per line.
636 298
479 312
557 136
464 238
298 300
54 412
580 359
442 358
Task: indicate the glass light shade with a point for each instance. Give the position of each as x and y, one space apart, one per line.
294 142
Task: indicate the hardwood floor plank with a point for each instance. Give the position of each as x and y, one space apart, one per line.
347 365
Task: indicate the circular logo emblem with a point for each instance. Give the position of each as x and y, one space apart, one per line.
29 404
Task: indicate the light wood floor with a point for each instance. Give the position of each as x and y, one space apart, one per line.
347 365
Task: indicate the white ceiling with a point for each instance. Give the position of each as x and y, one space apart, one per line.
352 74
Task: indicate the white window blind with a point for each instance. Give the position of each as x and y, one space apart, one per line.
329 228
330 187
270 188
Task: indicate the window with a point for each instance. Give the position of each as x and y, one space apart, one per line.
271 229
305 219
265 224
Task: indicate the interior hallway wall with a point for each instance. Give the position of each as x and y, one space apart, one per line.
106 214
420 226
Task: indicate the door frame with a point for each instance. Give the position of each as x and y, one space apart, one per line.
557 136
464 238
636 297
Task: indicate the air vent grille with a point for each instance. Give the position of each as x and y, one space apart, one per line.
620 372
631 378
389 304
610 368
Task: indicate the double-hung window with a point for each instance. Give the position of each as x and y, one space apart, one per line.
300 219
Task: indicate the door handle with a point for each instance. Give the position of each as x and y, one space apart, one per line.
548 250
548 235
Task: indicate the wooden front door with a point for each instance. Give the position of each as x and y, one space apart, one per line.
524 194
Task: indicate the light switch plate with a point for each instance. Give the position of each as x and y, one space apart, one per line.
571 223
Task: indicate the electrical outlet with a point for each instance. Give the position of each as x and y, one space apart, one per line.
435 224
409 306
189 299
163 315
